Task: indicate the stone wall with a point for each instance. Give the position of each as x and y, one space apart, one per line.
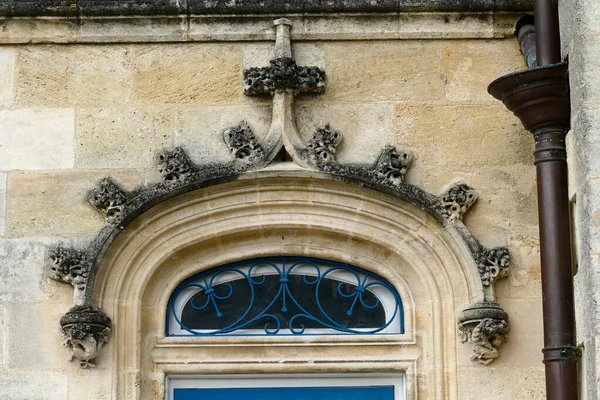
580 32
73 113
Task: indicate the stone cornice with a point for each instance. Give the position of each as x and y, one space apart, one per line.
96 8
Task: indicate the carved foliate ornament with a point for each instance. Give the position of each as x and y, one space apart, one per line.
242 143
85 330
175 166
323 144
493 264
109 199
393 164
283 75
455 202
69 265
485 326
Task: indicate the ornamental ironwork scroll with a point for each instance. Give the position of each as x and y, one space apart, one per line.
289 295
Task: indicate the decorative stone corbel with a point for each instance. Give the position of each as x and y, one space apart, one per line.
456 201
485 326
85 330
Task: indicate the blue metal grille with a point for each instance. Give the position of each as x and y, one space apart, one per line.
285 296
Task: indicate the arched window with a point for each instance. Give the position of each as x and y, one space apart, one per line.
285 296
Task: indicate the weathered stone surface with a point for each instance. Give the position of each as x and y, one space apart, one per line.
187 74
34 139
97 388
468 72
7 76
2 202
22 270
172 7
367 128
467 136
491 383
529 383
494 217
524 280
526 337
585 57
384 71
587 279
1 335
448 26
15 385
44 351
200 130
121 138
259 55
55 204
68 76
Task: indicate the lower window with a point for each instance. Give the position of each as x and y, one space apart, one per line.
288 387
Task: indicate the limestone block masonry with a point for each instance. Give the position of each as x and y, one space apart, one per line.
580 32
396 161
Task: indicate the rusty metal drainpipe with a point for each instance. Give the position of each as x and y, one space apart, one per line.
540 98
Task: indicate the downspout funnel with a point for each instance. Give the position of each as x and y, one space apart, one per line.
540 98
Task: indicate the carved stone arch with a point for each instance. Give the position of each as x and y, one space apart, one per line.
296 213
202 216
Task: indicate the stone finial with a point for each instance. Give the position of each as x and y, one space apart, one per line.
392 164
455 202
243 144
493 264
68 265
175 166
323 144
109 199
484 325
283 75
85 330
